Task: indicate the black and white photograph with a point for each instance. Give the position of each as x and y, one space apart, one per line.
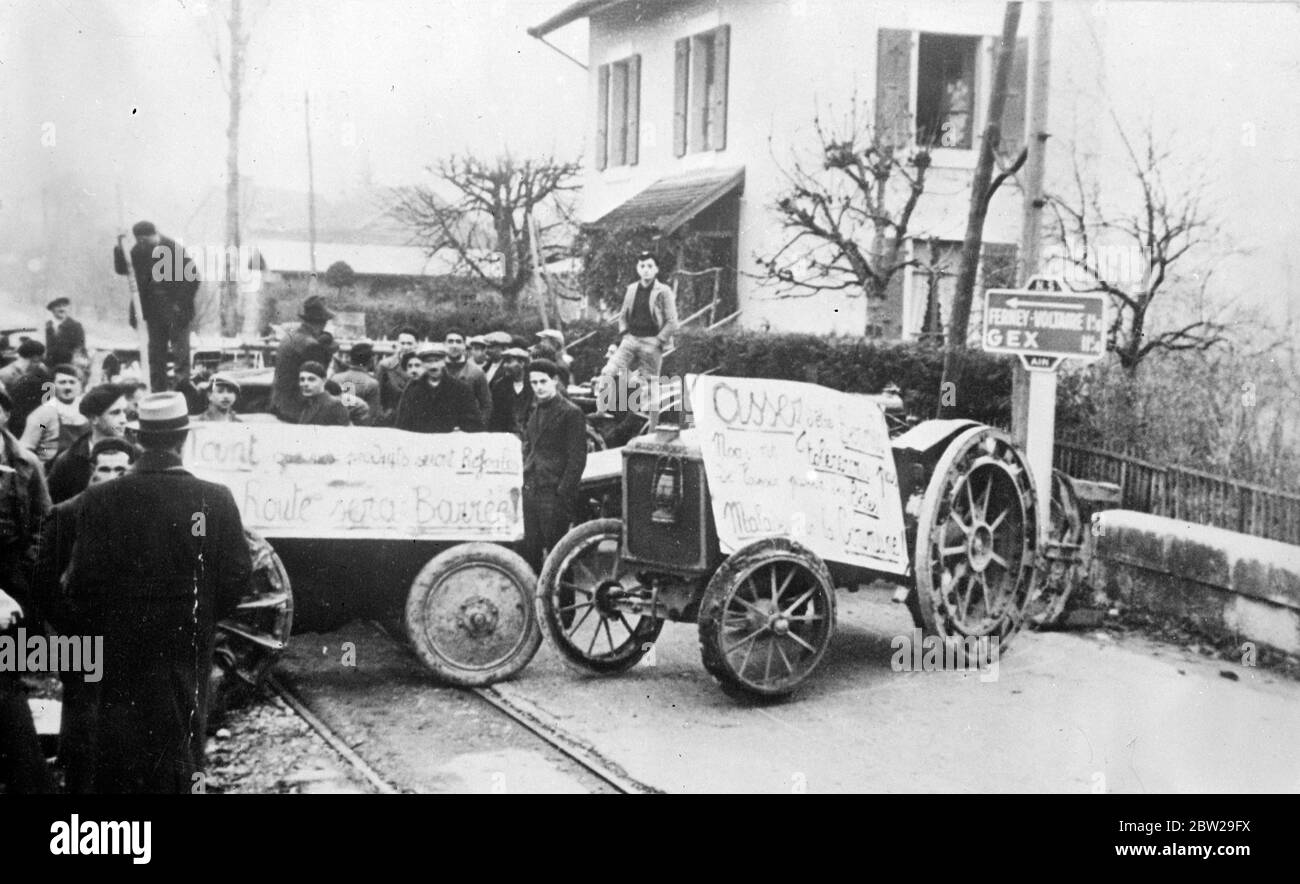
674 397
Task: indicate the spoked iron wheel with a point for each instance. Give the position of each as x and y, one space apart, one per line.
976 541
254 636
767 618
1064 554
581 580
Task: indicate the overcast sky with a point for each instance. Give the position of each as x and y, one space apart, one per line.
114 93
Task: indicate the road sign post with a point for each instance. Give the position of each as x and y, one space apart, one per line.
1044 324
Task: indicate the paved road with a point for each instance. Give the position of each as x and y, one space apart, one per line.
1067 713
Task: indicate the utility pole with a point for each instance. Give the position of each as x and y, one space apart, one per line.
230 306
311 194
1031 224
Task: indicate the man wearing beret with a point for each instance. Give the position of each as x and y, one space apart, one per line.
65 339
357 380
437 402
156 593
105 408
306 343
167 279
319 407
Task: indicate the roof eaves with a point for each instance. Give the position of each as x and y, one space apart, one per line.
571 13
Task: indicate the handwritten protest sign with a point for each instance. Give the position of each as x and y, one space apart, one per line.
356 482
785 458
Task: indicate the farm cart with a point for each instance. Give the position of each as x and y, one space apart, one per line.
747 523
347 523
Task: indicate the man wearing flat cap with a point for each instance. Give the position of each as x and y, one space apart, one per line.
358 381
65 339
512 395
437 402
306 343
221 400
320 407
495 344
105 408
155 593
167 279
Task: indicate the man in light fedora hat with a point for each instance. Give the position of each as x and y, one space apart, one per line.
306 343
155 594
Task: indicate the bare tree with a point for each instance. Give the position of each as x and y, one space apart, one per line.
847 211
488 226
1162 232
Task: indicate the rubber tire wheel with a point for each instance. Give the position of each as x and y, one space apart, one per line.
252 663
711 609
447 563
642 636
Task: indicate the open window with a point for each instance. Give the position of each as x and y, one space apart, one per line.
932 90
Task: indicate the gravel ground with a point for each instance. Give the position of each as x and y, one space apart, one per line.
264 747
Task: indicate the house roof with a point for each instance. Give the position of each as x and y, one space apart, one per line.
569 14
294 256
671 202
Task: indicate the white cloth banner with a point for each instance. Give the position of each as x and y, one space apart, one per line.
367 483
802 461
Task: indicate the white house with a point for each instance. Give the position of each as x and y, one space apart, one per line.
694 106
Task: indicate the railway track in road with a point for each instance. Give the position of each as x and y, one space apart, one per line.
504 699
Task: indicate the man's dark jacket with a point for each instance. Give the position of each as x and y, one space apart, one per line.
555 448
509 409
165 298
28 392
441 409
64 342
155 592
301 346
325 411
70 471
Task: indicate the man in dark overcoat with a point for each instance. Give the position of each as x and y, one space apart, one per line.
65 339
155 593
437 402
167 279
555 454
306 343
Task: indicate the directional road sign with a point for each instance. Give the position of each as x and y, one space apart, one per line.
1044 327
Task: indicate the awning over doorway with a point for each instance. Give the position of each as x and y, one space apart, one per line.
670 203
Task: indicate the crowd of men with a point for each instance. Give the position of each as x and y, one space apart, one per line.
103 532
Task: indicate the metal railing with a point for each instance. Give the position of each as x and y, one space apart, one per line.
1187 494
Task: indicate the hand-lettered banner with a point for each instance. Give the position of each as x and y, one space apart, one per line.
357 482
799 460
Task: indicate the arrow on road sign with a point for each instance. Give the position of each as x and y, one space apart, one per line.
1017 303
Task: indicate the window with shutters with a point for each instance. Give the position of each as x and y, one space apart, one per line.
700 92
618 113
945 90
931 90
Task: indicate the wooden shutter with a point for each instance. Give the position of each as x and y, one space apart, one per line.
721 50
617 154
602 116
1013 115
633 109
894 86
682 72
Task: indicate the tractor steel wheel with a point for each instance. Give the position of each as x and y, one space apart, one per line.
580 579
469 614
251 639
976 542
1065 537
767 618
